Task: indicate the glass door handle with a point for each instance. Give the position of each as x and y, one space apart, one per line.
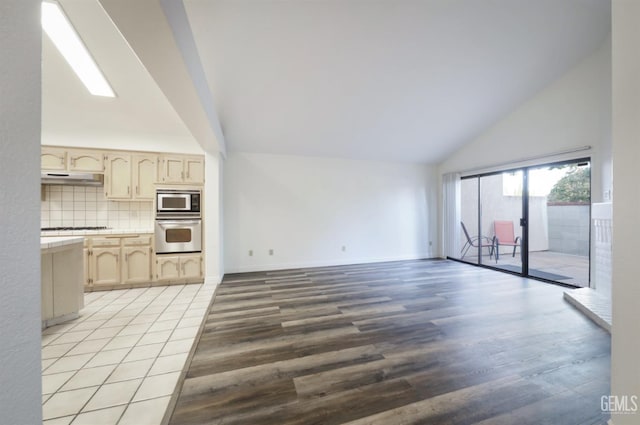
523 222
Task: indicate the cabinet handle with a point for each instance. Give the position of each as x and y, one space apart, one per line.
127 190
137 190
126 257
62 160
182 175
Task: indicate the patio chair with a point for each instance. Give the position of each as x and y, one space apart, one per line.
504 235
476 242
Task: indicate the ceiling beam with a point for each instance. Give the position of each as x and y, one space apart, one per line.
144 25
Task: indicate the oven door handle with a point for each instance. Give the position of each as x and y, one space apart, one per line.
164 223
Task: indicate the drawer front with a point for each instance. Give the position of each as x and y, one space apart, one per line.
107 242
137 241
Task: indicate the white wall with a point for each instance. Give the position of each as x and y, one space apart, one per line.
214 269
306 209
625 376
571 112
20 398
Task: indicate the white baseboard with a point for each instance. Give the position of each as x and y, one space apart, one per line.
322 263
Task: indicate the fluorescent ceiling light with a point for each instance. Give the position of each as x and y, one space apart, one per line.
65 38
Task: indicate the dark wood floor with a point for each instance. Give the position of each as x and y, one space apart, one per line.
417 342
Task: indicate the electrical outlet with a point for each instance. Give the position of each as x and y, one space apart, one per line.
251 253
271 252
344 248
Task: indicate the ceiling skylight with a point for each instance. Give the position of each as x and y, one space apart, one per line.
65 38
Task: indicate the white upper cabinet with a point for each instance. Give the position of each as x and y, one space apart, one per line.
117 176
181 169
66 159
53 159
194 170
128 175
145 174
86 161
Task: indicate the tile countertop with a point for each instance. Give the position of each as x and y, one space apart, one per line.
53 242
94 232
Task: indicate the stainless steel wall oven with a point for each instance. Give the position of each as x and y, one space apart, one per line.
178 227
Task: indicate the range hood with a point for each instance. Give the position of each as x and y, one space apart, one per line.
76 179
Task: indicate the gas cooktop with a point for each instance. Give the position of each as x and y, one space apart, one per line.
45 229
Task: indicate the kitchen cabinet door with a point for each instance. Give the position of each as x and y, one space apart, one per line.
191 266
194 170
53 159
145 174
117 177
168 268
86 161
137 264
172 170
105 266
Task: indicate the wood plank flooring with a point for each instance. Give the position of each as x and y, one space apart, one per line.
413 342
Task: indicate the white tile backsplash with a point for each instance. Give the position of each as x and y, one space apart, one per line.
86 206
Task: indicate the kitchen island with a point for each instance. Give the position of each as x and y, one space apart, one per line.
62 279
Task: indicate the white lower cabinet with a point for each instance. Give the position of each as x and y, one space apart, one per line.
105 266
179 267
118 260
167 268
137 264
191 266
126 261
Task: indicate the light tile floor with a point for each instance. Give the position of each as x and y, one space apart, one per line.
120 361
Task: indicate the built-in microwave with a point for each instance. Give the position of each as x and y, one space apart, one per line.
175 203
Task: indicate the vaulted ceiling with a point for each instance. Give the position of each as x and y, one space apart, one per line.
140 117
405 80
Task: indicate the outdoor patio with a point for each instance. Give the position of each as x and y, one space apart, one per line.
558 221
568 269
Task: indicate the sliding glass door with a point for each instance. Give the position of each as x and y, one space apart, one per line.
501 210
471 243
559 222
491 207
533 221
